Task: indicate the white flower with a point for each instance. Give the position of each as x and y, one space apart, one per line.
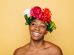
27 11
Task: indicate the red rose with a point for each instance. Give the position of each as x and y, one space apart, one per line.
46 15
36 12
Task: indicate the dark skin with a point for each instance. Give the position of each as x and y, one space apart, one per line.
37 45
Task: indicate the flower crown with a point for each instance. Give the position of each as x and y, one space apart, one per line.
41 14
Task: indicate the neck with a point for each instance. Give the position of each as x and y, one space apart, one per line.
36 44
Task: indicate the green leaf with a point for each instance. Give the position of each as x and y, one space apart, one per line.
27 19
51 26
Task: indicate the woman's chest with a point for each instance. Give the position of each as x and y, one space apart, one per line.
37 52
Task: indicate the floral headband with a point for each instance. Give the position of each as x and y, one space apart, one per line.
42 14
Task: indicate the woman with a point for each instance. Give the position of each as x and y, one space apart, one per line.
39 23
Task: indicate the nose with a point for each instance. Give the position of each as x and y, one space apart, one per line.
37 28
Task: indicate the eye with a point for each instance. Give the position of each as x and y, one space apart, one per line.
33 24
43 26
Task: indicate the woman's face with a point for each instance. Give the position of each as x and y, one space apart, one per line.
37 29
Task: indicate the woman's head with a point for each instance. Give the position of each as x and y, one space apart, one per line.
39 16
37 29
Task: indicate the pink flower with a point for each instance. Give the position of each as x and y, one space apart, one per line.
36 12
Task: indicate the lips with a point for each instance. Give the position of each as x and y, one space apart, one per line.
36 34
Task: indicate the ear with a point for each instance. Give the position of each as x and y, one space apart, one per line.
46 32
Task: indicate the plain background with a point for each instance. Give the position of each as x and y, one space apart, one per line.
14 33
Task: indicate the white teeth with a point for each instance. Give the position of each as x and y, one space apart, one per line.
36 34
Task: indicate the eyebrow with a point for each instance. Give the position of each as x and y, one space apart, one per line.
41 24
33 21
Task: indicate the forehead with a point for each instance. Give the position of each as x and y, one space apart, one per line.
38 21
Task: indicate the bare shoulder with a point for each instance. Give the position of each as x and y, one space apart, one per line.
54 49
21 50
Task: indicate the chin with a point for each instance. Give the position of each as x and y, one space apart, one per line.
35 38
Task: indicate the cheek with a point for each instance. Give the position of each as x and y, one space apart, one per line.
31 28
43 31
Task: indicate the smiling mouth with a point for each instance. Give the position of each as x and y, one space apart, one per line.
36 34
